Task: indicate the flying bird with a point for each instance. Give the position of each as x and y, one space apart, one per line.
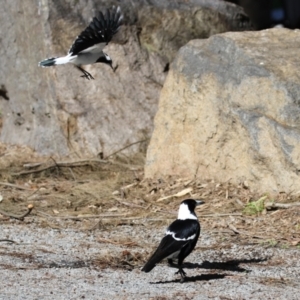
180 238
88 46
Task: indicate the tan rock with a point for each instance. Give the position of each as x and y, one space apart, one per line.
54 110
229 110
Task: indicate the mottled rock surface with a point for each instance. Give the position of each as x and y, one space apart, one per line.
230 110
54 110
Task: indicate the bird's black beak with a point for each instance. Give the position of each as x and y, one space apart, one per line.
199 202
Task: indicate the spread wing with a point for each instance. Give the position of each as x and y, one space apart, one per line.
179 233
99 32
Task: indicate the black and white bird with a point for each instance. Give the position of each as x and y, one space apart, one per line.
180 238
88 47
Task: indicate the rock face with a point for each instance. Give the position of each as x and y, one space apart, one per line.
230 110
54 110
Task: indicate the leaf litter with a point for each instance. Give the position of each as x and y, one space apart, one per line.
98 194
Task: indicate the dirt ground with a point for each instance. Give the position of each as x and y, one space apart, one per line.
95 221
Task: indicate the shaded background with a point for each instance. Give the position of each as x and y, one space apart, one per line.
269 13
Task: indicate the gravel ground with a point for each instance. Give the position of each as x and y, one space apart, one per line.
71 263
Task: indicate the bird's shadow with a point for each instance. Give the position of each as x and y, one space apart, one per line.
203 277
230 265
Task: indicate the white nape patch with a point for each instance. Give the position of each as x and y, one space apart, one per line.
178 239
184 213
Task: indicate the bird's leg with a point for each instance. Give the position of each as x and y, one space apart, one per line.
115 68
170 262
86 75
182 274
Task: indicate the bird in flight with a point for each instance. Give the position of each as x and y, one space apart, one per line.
88 46
180 238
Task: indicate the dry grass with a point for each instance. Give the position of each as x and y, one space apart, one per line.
116 191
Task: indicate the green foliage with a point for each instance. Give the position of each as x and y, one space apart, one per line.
285 246
269 243
255 207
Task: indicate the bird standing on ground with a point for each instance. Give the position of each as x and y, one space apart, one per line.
88 47
180 238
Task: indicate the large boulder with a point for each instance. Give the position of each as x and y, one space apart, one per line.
54 110
230 110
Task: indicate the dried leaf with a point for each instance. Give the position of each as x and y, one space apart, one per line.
113 209
295 243
184 192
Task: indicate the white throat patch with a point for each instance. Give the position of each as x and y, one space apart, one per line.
184 213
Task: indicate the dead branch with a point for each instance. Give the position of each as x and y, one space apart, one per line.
8 241
233 229
15 186
129 204
272 205
71 164
68 163
236 231
177 195
117 243
83 216
21 217
219 215
127 146
146 219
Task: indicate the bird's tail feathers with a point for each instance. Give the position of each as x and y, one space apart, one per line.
48 62
149 265
55 61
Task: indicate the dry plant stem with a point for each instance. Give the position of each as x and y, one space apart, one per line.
245 233
71 164
269 205
127 146
95 226
129 204
233 229
8 241
34 193
219 215
21 217
15 186
83 216
116 243
67 164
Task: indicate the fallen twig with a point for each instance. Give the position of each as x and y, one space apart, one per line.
8 241
138 206
83 216
117 243
130 204
70 164
236 231
145 219
127 146
219 215
177 195
270 205
21 217
233 229
15 186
